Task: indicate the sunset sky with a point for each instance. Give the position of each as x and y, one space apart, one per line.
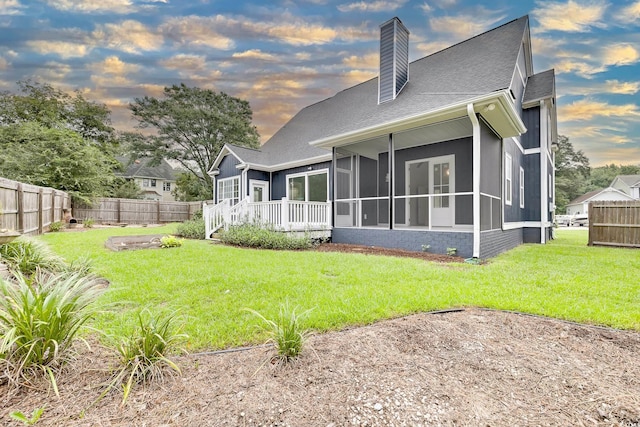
284 55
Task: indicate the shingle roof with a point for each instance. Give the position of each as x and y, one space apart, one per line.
586 196
630 180
478 66
540 86
140 168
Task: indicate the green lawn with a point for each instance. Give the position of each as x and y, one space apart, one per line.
212 284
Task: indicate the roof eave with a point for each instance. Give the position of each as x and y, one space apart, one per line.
505 116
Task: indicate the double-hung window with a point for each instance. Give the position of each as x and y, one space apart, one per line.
229 188
508 179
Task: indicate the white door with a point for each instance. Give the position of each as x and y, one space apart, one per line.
441 171
258 190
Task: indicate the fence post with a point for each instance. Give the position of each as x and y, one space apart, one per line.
118 212
53 206
285 213
40 213
158 213
20 209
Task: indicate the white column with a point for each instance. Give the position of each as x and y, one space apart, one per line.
285 213
476 180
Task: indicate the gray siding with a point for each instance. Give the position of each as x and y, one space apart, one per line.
402 58
531 235
491 166
532 188
279 179
531 119
463 150
495 242
411 240
386 62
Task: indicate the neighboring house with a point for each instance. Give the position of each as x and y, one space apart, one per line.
156 182
453 150
580 205
628 184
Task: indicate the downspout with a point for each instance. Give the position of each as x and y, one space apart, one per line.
245 182
544 175
476 179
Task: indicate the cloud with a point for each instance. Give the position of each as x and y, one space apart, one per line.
63 49
4 64
586 109
369 61
630 13
466 25
372 6
128 36
427 48
113 65
570 16
608 87
354 77
93 6
10 7
196 31
184 62
621 54
254 54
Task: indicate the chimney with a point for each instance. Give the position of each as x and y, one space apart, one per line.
394 59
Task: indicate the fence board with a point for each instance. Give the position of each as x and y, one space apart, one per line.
30 209
614 223
135 211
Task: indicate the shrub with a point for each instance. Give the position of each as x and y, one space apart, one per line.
170 242
258 236
56 226
26 255
286 332
143 354
88 223
39 319
192 229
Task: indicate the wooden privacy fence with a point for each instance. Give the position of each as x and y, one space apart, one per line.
29 209
614 223
134 211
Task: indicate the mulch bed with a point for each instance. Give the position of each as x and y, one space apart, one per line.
374 250
466 368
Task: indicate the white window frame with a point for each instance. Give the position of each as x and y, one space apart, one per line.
508 179
521 188
306 181
259 183
222 191
166 186
145 183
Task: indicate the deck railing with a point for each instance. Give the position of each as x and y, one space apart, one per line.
286 215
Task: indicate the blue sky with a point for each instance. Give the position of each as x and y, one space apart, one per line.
284 55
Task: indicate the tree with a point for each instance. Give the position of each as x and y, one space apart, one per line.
54 157
190 189
603 176
125 189
192 125
54 109
572 173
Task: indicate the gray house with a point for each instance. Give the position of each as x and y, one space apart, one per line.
453 150
155 180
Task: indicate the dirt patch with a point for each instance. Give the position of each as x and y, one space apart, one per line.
375 250
473 367
129 243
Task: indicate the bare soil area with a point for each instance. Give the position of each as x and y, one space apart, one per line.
472 367
375 250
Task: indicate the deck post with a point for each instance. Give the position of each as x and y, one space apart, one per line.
328 218
285 213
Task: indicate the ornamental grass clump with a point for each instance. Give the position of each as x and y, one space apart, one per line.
144 353
40 317
286 332
26 255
